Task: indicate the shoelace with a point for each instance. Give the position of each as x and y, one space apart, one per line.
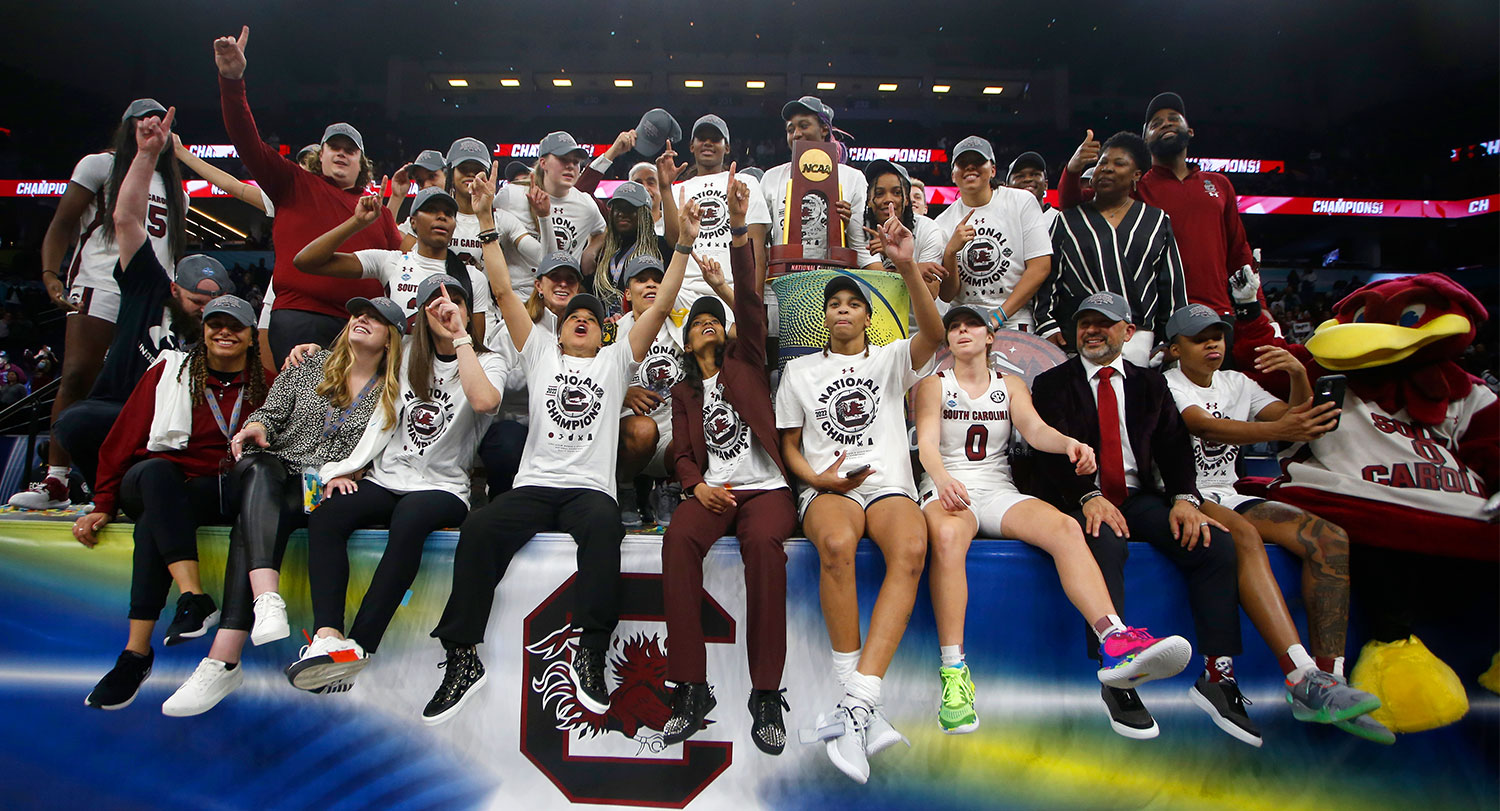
955 690
1235 696
765 700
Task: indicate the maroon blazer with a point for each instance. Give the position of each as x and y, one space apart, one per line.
746 386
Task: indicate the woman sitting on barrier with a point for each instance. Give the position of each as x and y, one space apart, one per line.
567 477
843 434
165 463
419 483
728 457
318 423
964 422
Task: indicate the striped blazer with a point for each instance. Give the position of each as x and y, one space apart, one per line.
1138 260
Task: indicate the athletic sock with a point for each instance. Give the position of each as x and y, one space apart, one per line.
1296 664
844 664
953 655
59 472
1218 668
1338 666
1330 664
1108 624
862 690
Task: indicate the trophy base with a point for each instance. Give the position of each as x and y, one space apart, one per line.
784 259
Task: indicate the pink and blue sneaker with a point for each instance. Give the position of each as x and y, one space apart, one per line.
1133 657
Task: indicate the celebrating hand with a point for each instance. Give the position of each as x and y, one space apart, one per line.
540 202
713 272
229 54
1244 285
482 194
689 219
624 142
897 241
449 318
367 210
666 169
1085 156
152 133
739 198
962 234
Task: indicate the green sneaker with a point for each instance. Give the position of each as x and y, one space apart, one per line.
956 714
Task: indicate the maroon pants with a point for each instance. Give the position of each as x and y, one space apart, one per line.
762 520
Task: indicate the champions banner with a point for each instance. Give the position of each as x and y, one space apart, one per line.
524 741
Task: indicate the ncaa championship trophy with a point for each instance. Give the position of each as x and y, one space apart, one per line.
814 250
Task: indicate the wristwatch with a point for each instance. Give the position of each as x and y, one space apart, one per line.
1189 498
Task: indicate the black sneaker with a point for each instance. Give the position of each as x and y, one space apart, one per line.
691 703
1226 706
767 728
1127 715
463 674
196 613
119 686
587 672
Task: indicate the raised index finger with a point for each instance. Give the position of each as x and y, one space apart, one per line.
244 37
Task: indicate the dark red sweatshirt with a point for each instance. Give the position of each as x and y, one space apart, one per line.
307 207
126 443
1205 220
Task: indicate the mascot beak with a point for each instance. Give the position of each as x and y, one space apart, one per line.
1345 347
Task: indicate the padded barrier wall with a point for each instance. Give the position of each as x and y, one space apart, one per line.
1044 742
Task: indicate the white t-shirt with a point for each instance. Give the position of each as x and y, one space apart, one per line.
433 447
930 241
776 185
734 457
1008 231
711 192
975 434
574 219
660 371
1231 396
514 240
574 415
402 273
94 261
853 403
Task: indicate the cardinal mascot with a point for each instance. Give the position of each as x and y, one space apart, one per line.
1410 473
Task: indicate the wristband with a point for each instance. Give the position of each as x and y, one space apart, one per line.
686 249
740 231
486 237
1247 312
467 340
1090 494
1189 498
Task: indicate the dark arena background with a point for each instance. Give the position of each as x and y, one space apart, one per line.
1362 142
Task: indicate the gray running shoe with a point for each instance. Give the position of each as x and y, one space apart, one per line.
1368 728
1320 698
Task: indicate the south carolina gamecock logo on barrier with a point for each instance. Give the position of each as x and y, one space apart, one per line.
617 757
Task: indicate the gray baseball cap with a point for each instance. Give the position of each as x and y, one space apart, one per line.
806 104
433 195
428 288
981 315
974 143
714 121
1110 304
431 160
346 130
306 149
1195 318
232 306
561 143
754 171
880 166
633 193
469 149
656 128
140 108
203 275
1088 174
559 259
640 264
388 311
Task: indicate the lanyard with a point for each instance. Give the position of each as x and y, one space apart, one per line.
225 427
331 425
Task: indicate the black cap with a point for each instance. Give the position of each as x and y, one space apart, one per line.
704 304
515 169
1165 101
1027 160
845 281
584 301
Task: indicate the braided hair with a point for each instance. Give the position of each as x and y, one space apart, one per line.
196 368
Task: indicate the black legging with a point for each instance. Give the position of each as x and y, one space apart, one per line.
270 502
493 534
167 509
81 430
292 327
411 518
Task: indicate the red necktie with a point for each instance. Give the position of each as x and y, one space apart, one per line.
1111 448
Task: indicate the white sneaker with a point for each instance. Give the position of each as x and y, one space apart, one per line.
845 736
50 493
270 619
882 735
208 685
327 660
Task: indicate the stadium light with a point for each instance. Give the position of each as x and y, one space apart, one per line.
458 82
828 85
755 84
994 90
886 87
692 83
510 82
941 88
562 82
624 83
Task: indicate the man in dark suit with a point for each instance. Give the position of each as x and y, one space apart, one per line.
727 454
1126 413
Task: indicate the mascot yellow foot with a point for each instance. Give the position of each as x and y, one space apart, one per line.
1417 690
1490 679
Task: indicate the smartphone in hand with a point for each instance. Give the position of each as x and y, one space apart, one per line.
855 472
1330 389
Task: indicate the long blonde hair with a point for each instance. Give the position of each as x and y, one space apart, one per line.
645 245
335 384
